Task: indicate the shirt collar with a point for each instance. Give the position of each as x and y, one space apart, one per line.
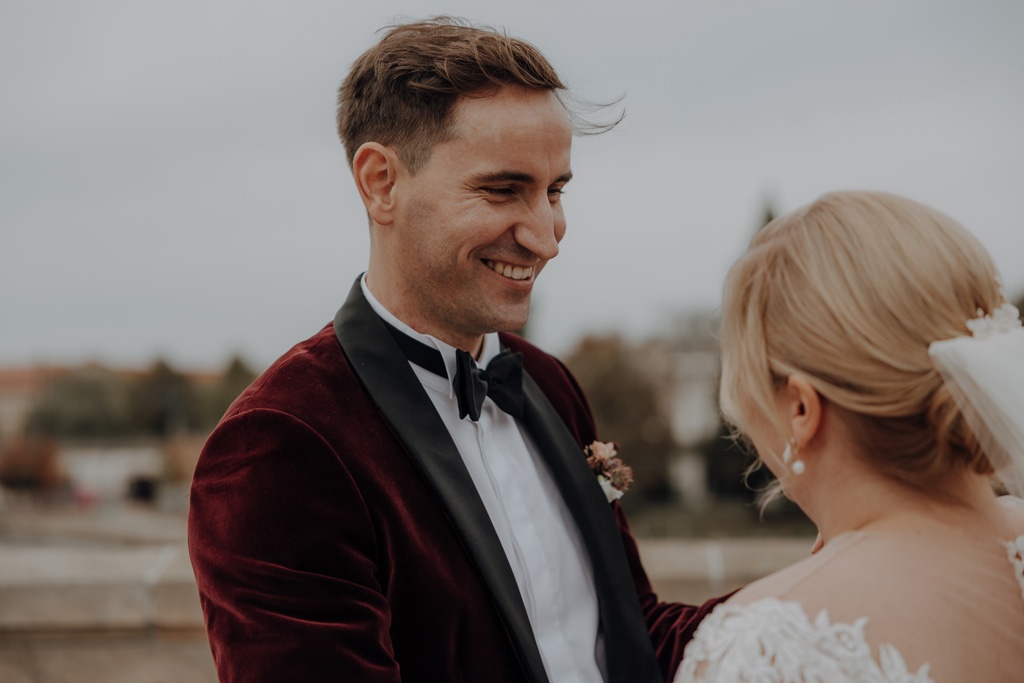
491 346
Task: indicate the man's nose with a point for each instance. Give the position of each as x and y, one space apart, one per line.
541 229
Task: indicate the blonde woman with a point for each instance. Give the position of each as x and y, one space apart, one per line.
872 359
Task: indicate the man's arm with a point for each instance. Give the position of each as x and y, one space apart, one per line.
283 549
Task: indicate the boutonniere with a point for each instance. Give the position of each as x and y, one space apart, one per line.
613 475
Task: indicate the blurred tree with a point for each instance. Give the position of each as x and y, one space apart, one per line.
216 400
30 464
165 402
628 410
96 402
767 215
88 402
727 462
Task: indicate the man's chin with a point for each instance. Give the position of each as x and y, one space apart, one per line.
510 323
516 326
488 314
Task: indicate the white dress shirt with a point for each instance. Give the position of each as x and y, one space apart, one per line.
533 523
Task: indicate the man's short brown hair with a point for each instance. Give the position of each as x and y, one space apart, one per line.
401 92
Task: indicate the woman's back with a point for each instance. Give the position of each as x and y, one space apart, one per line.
937 605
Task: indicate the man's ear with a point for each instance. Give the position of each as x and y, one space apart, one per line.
803 405
375 168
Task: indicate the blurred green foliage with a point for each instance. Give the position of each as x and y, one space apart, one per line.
99 402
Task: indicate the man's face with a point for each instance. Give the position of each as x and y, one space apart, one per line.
474 226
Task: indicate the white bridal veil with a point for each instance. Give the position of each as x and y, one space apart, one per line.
985 372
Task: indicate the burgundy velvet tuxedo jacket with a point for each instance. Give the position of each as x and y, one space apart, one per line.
336 535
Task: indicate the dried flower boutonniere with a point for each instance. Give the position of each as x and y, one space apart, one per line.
613 475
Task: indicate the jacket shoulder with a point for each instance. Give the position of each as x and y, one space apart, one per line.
304 375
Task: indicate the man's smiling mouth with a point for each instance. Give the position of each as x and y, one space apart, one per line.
510 271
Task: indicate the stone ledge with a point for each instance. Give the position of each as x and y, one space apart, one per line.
90 588
720 561
106 657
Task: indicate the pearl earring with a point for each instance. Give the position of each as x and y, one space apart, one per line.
792 449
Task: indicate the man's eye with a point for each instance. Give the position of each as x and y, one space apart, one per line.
502 191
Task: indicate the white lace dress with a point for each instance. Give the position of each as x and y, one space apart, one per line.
904 610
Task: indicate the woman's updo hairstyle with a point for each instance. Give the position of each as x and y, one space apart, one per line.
850 291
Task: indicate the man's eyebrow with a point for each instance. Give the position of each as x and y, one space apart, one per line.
516 177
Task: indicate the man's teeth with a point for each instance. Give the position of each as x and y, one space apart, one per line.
510 271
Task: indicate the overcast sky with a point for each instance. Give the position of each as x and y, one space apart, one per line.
172 183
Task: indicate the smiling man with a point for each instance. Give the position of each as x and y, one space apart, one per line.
404 496
457 245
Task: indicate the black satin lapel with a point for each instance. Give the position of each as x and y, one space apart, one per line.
398 394
630 655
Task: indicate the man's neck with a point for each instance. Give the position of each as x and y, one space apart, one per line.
472 344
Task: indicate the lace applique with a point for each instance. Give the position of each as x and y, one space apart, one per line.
1015 551
773 640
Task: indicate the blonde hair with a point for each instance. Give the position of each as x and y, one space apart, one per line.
850 291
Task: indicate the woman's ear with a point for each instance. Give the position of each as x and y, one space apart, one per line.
803 406
375 168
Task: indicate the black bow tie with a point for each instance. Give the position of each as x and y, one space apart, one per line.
502 380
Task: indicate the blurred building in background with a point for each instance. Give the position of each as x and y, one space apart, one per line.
657 399
686 365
